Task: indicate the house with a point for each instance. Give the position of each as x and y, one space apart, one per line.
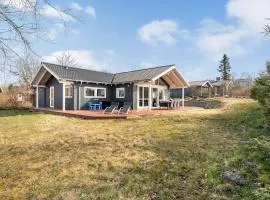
69 88
196 89
200 88
221 87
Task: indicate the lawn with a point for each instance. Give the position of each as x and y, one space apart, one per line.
176 156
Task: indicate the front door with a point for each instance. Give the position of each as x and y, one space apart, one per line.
52 97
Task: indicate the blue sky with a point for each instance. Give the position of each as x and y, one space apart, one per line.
125 35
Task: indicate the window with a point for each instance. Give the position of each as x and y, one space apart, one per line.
120 92
91 92
68 91
101 92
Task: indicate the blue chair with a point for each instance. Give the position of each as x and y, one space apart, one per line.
90 105
99 107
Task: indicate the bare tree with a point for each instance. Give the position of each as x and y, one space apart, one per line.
66 59
22 24
267 28
25 70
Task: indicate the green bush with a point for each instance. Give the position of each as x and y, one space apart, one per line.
261 92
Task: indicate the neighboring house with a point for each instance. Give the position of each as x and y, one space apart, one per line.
220 87
200 88
196 89
62 87
20 97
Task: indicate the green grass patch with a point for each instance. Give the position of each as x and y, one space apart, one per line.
178 156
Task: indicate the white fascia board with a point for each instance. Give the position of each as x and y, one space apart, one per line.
163 73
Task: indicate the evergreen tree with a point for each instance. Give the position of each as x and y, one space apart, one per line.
261 92
225 68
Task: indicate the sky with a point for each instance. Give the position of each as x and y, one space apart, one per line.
123 35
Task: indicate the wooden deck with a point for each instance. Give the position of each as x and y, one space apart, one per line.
87 114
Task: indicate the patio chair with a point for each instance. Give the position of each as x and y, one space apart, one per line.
91 106
112 108
99 106
125 109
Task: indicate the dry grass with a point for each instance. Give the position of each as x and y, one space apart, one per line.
171 157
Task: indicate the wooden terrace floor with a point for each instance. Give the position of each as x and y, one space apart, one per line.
87 114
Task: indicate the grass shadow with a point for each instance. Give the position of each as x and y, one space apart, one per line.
15 112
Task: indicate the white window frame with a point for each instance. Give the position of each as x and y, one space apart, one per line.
117 92
95 92
68 86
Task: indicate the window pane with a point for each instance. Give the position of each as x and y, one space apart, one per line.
89 92
101 92
120 93
146 92
141 92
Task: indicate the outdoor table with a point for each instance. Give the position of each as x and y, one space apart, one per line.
95 105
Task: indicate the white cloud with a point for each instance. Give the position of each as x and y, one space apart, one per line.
246 20
75 31
91 11
56 13
161 32
75 6
84 58
110 52
251 13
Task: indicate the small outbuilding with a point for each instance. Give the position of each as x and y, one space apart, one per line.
200 88
221 88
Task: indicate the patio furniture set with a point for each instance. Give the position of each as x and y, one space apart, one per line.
113 108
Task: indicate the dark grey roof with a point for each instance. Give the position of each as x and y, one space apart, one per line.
77 74
140 75
198 83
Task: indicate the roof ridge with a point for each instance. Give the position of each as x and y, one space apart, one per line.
145 69
76 68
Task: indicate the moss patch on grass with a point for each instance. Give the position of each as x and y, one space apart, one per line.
176 156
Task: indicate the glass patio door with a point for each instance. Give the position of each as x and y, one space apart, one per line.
143 96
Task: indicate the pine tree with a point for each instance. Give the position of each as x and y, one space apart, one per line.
225 68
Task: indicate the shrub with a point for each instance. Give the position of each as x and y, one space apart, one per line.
261 92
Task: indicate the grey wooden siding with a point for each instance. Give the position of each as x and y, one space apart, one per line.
128 93
58 93
84 101
41 98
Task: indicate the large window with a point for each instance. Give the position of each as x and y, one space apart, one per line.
143 96
68 91
91 92
120 92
